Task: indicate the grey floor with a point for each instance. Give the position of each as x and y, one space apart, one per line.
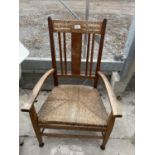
121 141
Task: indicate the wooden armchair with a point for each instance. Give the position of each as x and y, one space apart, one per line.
74 107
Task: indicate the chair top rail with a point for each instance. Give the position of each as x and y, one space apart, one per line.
76 26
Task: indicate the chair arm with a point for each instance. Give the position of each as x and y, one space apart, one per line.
26 107
111 95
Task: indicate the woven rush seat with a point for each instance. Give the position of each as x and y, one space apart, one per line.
73 104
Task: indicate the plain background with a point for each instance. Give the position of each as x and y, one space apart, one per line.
145 77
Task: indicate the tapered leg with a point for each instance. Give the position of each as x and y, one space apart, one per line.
106 136
33 116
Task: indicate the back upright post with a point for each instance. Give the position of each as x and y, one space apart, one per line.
103 28
50 26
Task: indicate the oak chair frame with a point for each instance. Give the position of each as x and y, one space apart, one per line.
89 28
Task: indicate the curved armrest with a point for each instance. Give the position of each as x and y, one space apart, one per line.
36 90
111 95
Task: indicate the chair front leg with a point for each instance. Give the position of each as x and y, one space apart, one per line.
111 121
33 117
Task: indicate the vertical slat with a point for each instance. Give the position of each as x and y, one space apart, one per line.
60 51
65 57
92 54
100 51
50 26
76 48
87 58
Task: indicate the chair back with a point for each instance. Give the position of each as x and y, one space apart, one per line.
72 47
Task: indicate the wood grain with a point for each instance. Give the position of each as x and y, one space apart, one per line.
76 49
52 45
27 106
71 136
111 121
69 26
72 127
60 52
111 95
92 54
103 28
65 56
33 117
87 57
